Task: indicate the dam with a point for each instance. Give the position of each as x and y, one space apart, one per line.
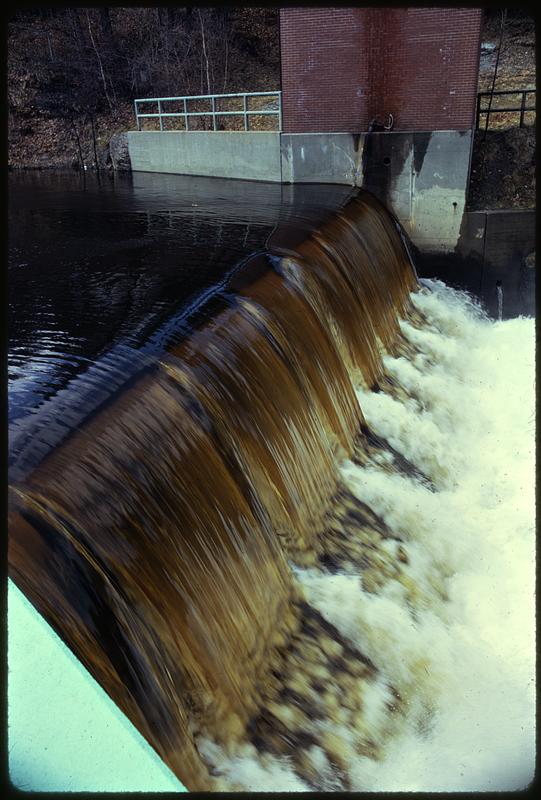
271 487
386 101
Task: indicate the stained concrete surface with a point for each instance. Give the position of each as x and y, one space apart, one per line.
248 155
420 176
509 258
493 247
321 158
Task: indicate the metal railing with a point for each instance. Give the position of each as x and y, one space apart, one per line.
214 110
513 109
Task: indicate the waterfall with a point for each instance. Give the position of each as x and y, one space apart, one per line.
250 546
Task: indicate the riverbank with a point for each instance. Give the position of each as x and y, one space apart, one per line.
38 140
503 170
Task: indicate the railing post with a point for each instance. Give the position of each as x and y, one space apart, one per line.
160 113
280 111
213 112
245 114
137 117
478 113
522 107
185 115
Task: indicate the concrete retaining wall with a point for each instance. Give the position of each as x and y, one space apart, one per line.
65 733
509 258
252 155
321 158
493 247
421 177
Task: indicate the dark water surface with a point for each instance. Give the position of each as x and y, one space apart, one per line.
104 273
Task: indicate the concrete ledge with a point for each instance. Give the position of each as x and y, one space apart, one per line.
420 176
509 258
494 247
248 155
423 178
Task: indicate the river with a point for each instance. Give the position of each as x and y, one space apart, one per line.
276 494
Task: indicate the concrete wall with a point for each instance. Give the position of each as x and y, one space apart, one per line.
421 177
252 155
321 158
65 734
509 257
493 247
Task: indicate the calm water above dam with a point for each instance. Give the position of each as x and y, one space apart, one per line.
275 493
104 272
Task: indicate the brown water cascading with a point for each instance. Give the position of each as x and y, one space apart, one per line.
356 273
156 538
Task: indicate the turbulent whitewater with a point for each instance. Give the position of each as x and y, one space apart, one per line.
444 608
297 548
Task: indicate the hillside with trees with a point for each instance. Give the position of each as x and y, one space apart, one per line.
73 72
503 159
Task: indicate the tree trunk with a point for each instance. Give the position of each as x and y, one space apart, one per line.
107 30
226 45
96 161
78 28
100 63
502 27
77 139
205 55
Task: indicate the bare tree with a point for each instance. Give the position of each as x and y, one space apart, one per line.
100 62
503 21
205 54
89 61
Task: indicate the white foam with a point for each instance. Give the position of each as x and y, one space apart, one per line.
478 413
465 664
250 773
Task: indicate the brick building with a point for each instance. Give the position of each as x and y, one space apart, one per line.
344 67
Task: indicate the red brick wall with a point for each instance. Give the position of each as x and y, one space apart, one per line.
341 67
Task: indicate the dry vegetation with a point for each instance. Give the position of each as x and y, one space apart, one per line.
516 69
73 73
503 162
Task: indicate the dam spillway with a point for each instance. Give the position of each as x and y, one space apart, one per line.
244 539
